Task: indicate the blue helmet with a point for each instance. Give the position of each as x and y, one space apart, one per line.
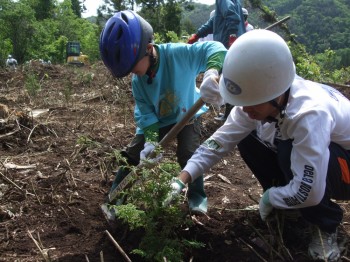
123 42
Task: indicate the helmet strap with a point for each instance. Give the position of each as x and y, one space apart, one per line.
281 108
152 69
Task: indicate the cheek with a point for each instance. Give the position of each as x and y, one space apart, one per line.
140 68
263 110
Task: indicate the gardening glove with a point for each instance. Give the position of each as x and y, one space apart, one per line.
265 207
176 188
194 38
209 88
231 39
147 152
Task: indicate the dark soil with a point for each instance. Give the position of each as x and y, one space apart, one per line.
56 169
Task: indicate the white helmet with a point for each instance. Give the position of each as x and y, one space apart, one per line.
245 11
9 56
258 67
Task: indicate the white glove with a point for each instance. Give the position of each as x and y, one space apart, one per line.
147 151
209 88
176 188
265 207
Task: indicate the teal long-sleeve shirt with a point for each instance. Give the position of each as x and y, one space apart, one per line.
173 90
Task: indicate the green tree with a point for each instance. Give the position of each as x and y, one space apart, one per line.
78 29
77 7
164 16
171 17
43 9
41 43
16 19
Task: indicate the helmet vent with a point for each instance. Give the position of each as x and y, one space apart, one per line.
110 28
119 33
125 18
117 53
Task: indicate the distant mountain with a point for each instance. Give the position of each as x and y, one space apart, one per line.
199 15
319 25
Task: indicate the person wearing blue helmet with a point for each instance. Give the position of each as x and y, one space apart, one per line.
164 89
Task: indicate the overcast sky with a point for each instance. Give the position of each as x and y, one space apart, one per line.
92 6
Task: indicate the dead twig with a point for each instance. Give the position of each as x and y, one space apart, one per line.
118 247
37 197
249 208
10 181
71 173
265 241
252 249
31 132
43 251
9 134
278 236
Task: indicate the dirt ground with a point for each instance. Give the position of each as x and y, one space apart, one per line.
52 183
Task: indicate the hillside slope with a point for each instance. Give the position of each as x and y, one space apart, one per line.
319 25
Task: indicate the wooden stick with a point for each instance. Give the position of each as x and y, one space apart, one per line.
277 23
118 247
179 125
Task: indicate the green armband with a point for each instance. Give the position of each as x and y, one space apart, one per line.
151 133
216 60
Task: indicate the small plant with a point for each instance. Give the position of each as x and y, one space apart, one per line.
86 78
32 85
87 142
68 91
171 36
161 224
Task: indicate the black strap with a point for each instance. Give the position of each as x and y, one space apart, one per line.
281 108
151 71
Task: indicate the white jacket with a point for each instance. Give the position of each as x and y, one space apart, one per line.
315 116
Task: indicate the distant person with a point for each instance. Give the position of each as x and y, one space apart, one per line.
226 25
209 37
164 89
11 63
248 26
293 134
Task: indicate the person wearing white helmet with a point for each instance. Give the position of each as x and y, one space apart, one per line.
248 26
293 134
11 62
